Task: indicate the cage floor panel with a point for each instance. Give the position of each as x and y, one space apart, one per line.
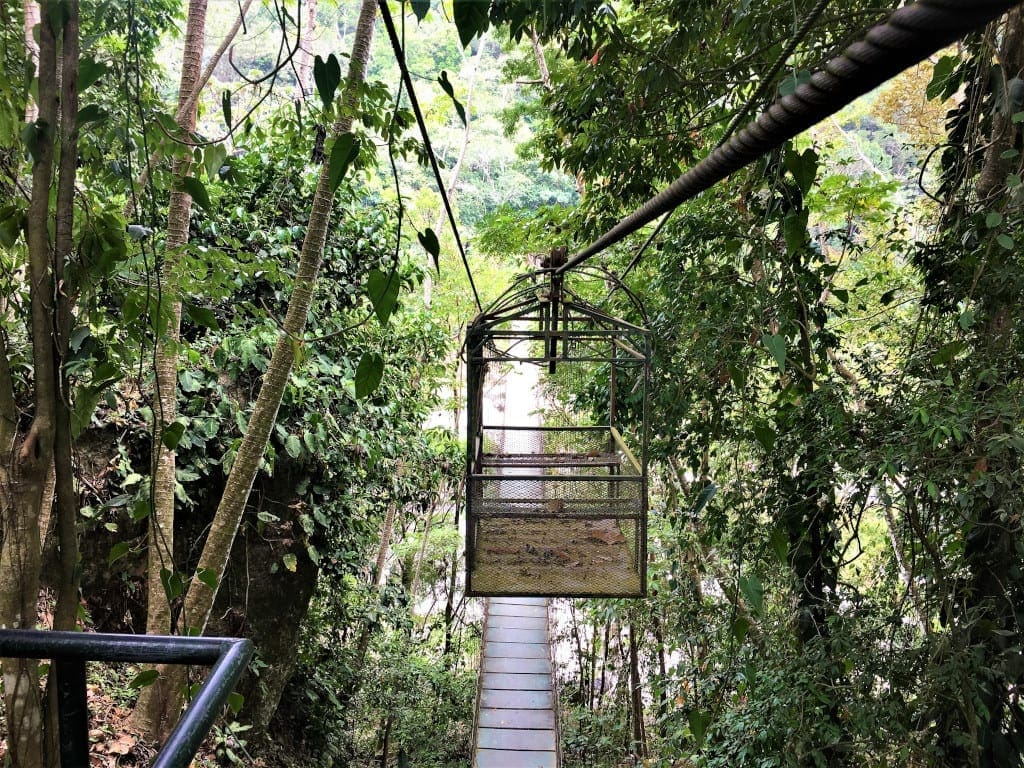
565 557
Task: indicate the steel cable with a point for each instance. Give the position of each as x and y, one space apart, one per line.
910 35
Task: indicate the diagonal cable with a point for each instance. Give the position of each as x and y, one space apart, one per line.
414 102
909 36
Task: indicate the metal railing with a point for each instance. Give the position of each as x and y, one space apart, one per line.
69 651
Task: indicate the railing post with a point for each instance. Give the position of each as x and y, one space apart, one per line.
72 713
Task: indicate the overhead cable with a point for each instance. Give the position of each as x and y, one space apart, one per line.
909 36
414 102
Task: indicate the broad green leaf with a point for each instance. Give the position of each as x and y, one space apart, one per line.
753 593
208 576
1005 241
765 435
795 230
420 8
86 400
90 113
383 292
290 562
195 188
369 373
942 85
172 435
470 19
293 446
326 75
780 545
699 722
201 316
777 346
993 220
428 239
117 551
235 702
446 85
213 158
803 166
706 495
174 585
144 678
740 628
343 153
789 85
89 71
140 510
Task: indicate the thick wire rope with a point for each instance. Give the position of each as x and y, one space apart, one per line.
910 35
414 102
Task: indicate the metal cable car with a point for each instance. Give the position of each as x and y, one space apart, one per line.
556 496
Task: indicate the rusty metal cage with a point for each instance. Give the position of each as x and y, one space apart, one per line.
556 497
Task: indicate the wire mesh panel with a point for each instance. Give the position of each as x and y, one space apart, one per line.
557 500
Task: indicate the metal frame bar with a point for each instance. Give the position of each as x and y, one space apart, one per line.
228 658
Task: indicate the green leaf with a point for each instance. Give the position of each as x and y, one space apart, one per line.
383 292
788 86
174 586
740 628
420 8
765 435
144 678
887 297
195 188
33 135
942 85
86 400
795 231
343 153
753 593
201 316
208 576
446 85
90 113
966 319
471 18
780 545
993 220
172 435
290 562
803 166
327 75
430 244
225 107
293 446
235 702
707 493
89 71
140 510
699 722
1006 241
213 158
777 346
369 373
117 551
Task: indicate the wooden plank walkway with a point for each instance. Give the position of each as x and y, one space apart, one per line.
515 715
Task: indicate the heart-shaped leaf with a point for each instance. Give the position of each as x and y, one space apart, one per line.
429 242
343 154
369 373
383 292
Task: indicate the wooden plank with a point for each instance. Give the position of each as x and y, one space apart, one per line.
517 622
509 682
517 666
519 739
500 758
519 601
511 609
517 699
516 718
505 635
517 650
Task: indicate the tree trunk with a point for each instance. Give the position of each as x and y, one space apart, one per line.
639 746
304 57
32 51
26 461
152 713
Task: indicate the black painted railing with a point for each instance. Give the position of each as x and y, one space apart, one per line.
69 651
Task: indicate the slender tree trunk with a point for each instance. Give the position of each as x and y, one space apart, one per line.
639 747
304 57
32 51
152 712
26 462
